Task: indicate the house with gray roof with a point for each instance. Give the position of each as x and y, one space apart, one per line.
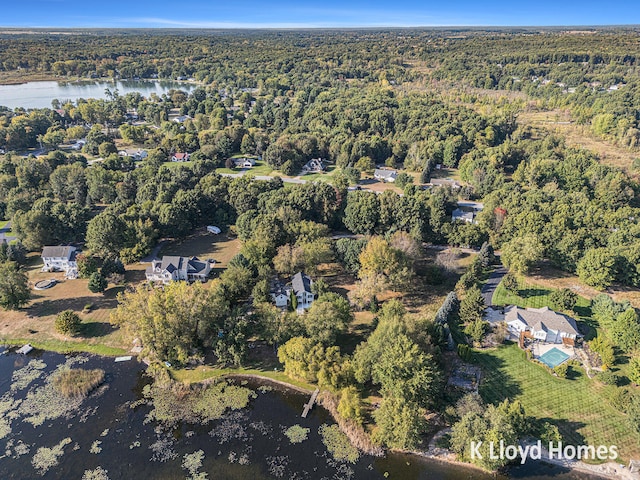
542 324
60 259
385 175
300 286
172 268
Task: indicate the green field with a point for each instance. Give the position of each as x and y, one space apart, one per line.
535 296
576 405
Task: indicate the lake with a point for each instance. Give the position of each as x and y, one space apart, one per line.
40 94
44 437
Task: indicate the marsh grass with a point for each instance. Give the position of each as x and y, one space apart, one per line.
77 382
97 474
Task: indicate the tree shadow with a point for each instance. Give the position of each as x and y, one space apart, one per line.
496 384
96 329
54 307
532 292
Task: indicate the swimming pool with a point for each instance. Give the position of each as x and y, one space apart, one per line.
553 358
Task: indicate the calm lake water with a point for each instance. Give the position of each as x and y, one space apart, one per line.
108 430
40 94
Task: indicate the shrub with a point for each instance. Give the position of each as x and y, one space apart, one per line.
97 283
607 378
77 382
562 370
68 322
510 283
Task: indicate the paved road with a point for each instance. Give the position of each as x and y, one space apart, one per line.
3 234
492 283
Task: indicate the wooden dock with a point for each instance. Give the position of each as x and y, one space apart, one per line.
312 400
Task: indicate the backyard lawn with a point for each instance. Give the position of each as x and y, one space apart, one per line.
536 296
576 405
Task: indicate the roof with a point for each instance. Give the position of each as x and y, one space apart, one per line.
195 265
384 173
171 263
301 282
58 252
459 214
543 319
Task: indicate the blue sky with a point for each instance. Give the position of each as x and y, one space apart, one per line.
329 13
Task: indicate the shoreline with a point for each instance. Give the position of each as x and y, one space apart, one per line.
432 453
9 80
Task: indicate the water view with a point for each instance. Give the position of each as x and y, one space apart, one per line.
40 94
113 434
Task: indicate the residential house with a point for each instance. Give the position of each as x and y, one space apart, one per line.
460 215
181 118
60 259
444 182
173 268
300 286
542 324
384 175
243 162
180 157
136 154
466 212
314 165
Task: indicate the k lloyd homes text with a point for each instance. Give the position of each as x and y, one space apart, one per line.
553 451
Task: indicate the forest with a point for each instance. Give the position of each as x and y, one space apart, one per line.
419 101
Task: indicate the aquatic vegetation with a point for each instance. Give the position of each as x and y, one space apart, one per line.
297 434
231 428
95 447
77 382
191 463
244 459
338 443
261 427
163 450
135 444
24 376
174 402
277 466
105 432
265 388
233 456
98 473
45 403
45 458
16 449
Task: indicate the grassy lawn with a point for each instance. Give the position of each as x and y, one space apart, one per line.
177 164
260 168
222 248
576 405
536 296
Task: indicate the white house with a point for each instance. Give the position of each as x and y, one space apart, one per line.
385 175
181 118
542 324
136 154
173 268
180 157
300 285
466 212
60 259
313 166
243 162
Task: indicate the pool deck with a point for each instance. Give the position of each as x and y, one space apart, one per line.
539 349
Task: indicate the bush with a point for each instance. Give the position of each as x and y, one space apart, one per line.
77 382
510 283
564 299
68 322
97 283
607 378
562 370
86 266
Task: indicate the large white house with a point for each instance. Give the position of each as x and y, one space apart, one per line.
384 175
60 259
172 268
542 324
300 285
136 154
